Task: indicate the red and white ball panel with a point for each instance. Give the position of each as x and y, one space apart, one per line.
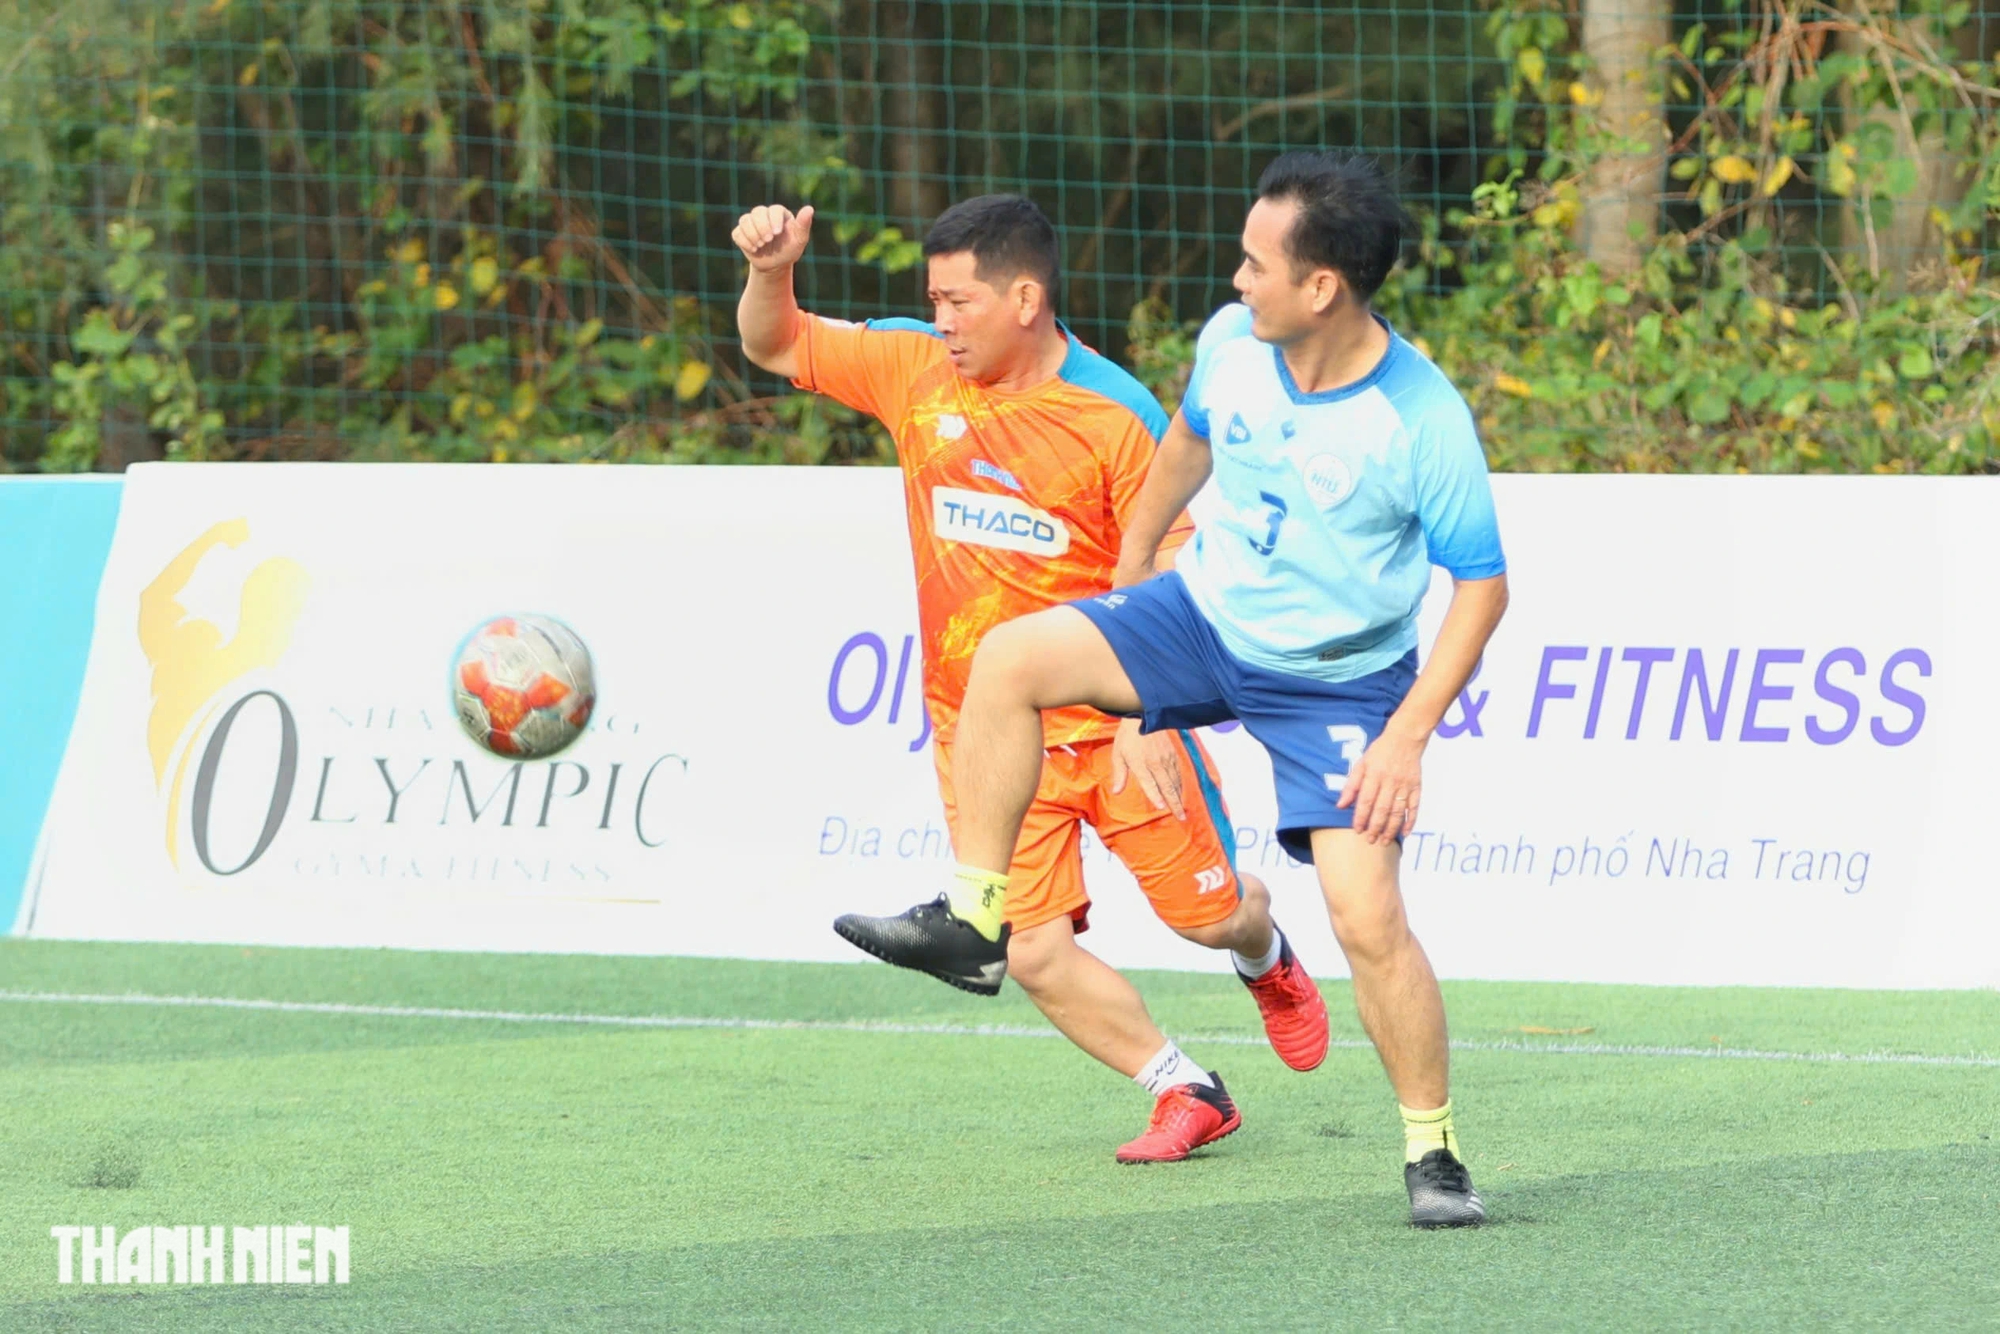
523 686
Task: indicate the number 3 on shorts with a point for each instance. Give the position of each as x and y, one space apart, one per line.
1348 743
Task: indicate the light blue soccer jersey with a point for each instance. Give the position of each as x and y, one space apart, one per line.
1327 510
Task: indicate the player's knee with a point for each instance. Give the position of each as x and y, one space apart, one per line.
1035 956
1251 917
1370 927
1021 661
1256 896
1005 662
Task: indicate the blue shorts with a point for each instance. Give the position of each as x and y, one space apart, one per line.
1312 729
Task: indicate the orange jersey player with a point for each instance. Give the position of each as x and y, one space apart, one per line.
1014 499
1022 453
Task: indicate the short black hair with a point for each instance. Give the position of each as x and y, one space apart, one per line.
1008 236
1349 221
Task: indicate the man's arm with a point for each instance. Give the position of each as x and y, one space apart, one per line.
1180 467
772 238
1386 784
1469 622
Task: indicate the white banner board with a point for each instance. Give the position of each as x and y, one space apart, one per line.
1733 730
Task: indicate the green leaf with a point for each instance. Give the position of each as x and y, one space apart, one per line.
1709 407
1915 364
99 337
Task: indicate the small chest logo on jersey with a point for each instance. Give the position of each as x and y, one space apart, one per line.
994 473
987 520
1238 433
1328 479
950 426
1288 429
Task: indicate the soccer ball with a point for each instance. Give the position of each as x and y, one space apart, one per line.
523 686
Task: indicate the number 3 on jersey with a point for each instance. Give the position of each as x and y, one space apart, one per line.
1348 743
1275 511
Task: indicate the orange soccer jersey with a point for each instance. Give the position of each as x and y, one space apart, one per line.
1016 502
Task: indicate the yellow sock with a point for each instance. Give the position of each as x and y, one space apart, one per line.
978 898
1425 1131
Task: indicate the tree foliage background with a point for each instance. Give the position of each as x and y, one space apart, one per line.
1691 235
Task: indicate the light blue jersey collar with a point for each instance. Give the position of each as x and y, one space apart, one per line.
1362 385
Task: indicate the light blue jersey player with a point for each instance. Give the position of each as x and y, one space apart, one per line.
1345 467
1329 509
1300 591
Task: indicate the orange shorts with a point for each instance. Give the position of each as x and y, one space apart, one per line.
1187 869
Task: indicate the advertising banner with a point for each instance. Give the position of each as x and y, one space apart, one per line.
1733 730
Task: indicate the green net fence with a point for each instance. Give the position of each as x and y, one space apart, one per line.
1701 234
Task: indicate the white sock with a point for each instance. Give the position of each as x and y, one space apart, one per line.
1256 968
1170 1069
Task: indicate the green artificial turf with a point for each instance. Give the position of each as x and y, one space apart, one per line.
506 1175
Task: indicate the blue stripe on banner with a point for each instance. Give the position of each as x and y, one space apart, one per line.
55 535
1211 793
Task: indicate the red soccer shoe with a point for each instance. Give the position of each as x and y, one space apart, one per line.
1185 1117
1294 1015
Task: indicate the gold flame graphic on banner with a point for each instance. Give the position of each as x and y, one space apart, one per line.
191 663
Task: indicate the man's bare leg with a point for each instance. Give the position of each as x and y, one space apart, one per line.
1102 1013
1395 990
1084 997
1049 660
1403 1012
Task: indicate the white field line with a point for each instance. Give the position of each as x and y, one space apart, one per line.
945 1030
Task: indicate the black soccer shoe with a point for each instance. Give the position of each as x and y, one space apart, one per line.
1441 1193
929 939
